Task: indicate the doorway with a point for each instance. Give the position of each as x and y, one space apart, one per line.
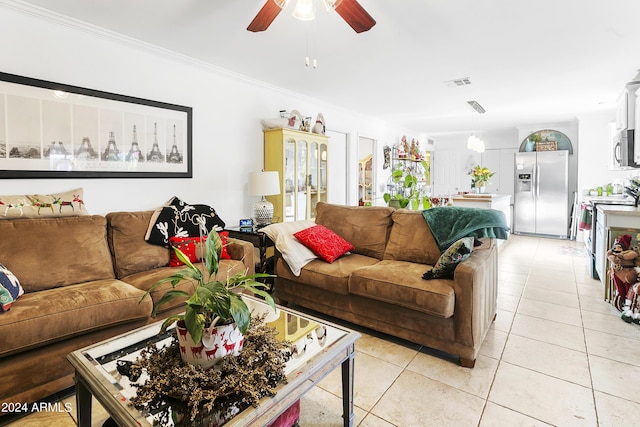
366 191
337 172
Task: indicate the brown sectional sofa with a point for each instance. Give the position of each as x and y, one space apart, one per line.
83 278
380 286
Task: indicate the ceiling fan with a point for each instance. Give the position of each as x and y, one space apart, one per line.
350 10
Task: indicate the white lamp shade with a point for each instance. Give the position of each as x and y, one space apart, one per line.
265 183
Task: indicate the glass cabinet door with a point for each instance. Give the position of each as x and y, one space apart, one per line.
289 180
323 172
301 181
313 178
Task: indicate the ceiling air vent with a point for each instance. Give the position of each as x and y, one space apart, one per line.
464 81
477 107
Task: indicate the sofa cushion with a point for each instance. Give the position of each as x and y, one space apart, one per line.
10 289
68 203
401 283
411 239
131 254
332 277
365 227
50 252
323 242
56 314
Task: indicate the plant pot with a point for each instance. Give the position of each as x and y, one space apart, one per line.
394 203
216 343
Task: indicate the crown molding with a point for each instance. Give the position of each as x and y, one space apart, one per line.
96 31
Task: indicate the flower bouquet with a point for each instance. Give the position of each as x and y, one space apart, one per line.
480 176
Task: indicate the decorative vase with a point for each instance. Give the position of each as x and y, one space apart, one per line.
394 203
217 342
480 189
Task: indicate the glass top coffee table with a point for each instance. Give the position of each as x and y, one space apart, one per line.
320 347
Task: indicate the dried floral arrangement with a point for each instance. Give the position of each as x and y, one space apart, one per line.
234 385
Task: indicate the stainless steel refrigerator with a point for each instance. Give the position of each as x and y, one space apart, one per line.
541 202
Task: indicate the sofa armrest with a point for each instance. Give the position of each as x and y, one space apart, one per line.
476 289
242 251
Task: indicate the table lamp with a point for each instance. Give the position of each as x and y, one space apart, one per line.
265 183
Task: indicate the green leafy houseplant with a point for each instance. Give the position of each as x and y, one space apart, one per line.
409 190
212 301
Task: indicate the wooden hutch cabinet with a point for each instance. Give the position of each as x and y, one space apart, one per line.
301 160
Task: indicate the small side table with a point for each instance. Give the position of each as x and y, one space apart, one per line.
259 239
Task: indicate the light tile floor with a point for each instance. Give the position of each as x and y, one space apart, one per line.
557 354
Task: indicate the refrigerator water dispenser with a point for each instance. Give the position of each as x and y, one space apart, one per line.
524 182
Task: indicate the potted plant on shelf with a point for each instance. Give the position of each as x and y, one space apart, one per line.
406 188
215 316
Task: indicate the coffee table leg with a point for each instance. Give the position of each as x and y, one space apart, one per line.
347 387
83 403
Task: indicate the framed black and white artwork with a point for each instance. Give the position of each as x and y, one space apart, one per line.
54 130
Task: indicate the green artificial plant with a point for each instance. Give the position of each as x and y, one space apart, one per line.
212 300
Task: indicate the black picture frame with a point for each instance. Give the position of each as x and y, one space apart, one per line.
55 130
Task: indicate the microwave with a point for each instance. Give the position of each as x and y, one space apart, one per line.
623 150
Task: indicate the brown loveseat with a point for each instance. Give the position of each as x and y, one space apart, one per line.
380 285
83 278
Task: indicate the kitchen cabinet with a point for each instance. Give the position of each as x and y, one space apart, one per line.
612 221
301 160
636 132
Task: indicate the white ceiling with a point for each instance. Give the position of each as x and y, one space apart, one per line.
535 61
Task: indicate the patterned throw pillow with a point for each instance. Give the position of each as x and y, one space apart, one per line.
180 219
69 203
193 248
10 289
324 242
449 260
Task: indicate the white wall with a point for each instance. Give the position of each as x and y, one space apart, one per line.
227 109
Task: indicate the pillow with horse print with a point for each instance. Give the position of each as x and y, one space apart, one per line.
68 203
449 260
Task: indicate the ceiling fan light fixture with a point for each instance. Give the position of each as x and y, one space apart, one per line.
304 10
329 4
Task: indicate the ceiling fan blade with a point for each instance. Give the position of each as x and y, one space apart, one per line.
265 17
355 15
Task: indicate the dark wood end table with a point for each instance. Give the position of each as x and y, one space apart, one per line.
259 240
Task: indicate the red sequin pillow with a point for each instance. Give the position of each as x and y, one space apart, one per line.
193 248
324 242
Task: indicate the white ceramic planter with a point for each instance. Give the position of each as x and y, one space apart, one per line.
216 343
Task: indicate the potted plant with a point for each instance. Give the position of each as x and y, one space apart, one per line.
407 188
215 315
480 177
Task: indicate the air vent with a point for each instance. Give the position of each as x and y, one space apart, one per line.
464 81
477 107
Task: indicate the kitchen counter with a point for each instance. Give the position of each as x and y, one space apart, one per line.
611 221
500 202
621 210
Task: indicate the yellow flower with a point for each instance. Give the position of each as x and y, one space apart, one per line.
480 176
